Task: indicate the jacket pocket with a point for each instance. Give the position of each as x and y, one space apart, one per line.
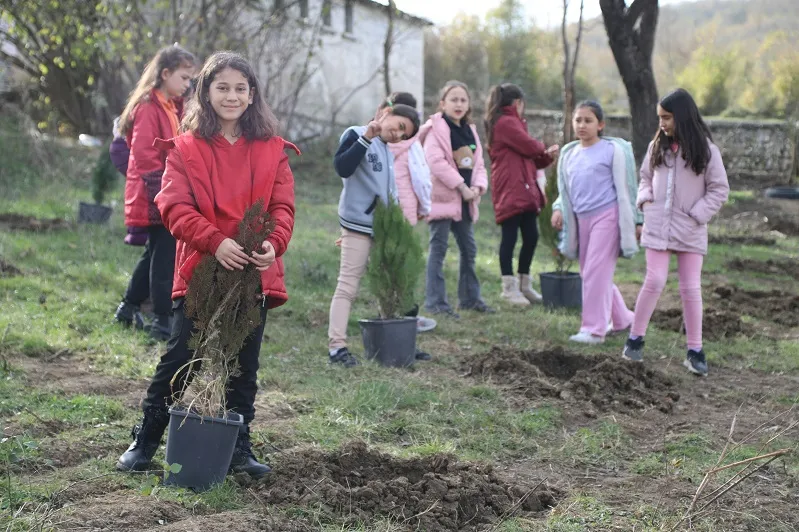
373 205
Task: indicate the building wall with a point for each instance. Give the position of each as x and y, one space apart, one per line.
347 83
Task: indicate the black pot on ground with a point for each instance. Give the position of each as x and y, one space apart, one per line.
390 342
93 213
202 445
562 290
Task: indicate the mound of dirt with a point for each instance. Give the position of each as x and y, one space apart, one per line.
122 512
774 267
742 240
717 324
775 305
8 270
608 383
21 222
432 493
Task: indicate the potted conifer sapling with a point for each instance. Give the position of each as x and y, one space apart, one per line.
104 175
560 288
396 264
225 309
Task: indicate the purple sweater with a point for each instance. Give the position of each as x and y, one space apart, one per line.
590 172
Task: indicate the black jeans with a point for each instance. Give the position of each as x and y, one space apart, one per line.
242 388
525 221
152 276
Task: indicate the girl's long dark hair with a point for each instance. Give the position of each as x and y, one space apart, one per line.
500 96
690 132
170 58
257 122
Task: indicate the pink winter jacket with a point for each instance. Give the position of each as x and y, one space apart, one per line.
408 201
681 203
447 203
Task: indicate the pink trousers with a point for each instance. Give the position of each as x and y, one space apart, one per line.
689 271
600 243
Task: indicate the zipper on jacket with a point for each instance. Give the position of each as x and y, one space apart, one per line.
373 206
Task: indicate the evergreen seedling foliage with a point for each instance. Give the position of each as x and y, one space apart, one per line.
104 176
548 235
396 262
225 306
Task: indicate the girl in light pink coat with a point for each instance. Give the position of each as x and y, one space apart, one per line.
455 157
683 185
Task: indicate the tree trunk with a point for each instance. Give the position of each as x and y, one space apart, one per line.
569 70
387 46
631 33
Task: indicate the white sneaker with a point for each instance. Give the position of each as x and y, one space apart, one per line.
583 337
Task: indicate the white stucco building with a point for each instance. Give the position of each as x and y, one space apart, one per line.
343 75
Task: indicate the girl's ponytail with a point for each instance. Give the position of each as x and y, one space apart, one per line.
500 96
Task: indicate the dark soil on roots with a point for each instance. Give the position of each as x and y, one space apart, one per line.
608 383
433 493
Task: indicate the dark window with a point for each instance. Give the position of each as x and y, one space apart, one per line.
303 8
348 16
327 8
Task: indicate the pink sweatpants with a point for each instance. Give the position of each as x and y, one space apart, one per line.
599 243
689 271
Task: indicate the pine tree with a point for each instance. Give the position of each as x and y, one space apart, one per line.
548 235
396 262
225 307
104 175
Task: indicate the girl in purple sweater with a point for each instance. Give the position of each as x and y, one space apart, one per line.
683 185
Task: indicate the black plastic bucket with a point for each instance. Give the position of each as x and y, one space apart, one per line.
93 213
202 445
562 290
390 342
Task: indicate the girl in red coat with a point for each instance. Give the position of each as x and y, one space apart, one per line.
517 196
228 158
153 111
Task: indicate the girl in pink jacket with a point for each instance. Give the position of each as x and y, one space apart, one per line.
683 185
455 157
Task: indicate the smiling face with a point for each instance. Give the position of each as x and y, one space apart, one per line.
456 103
230 94
395 128
585 124
666 121
175 83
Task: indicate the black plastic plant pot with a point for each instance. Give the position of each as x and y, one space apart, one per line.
390 342
93 213
562 290
202 445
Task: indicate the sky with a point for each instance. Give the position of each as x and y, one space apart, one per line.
546 13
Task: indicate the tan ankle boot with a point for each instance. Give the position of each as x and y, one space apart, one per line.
510 291
526 288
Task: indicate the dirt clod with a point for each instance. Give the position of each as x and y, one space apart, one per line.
771 266
717 324
8 270
21 222
775 305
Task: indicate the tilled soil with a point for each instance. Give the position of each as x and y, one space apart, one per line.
21 222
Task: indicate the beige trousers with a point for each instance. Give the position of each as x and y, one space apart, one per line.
355 249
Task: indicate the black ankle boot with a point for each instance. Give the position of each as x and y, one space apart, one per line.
146 439
126 313
161 327
243 460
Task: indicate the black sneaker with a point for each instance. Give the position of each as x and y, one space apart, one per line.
446 311
634 350
344 357
421 355
480 306
696 363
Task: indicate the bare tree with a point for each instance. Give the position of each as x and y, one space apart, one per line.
387 44
631 33
569 68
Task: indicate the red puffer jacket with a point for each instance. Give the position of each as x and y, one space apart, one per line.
515 157
202 207
146 162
